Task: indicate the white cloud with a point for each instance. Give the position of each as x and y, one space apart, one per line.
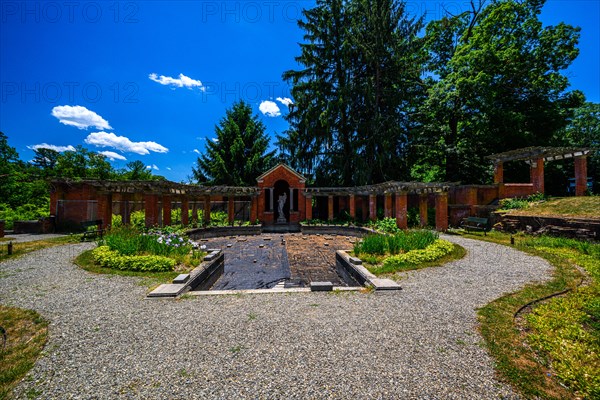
79 117
196 151
169 168
181 81
216 140
153 166
51 147
285 100
104 139
269 108
112 156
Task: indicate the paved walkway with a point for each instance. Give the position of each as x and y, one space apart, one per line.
107 341
30 237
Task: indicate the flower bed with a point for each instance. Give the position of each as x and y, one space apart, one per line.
127 248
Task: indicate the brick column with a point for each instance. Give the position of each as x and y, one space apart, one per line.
230 210
308 201
185 211
166 208
105 209
499 172
423 209
387 208
151 210
206 210
195 211
441 211
402 210
372 207
352 206
472 199
53 202
253 209
330 208
537 175
580 175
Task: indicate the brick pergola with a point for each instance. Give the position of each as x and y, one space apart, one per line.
151 193
536 157
395 200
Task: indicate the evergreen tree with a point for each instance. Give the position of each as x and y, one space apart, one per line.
239 154
354 97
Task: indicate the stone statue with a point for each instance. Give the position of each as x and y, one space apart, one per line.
282 199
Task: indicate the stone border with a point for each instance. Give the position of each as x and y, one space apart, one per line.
203 276
352 268
218 231
358 231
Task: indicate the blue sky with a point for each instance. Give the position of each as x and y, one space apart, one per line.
148 80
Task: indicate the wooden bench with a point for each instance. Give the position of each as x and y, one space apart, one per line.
476 224
92 233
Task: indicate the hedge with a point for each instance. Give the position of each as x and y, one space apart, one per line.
108 258
431 253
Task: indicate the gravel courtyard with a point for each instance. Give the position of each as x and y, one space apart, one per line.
106 340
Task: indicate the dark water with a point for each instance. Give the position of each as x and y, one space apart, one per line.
250 266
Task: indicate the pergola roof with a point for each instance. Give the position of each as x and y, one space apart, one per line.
532 153
382 188
161 187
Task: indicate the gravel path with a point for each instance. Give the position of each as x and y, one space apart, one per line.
107 341
30 237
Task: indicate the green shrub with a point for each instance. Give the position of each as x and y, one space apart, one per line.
25 212
167 241
434 251
108 258
385 225
371 244
138 219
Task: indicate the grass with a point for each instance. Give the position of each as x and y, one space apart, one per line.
552 352
379 269
20 249
401 242
580 206
26 333
151 279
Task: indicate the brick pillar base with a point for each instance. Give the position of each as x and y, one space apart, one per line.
441 212
352 206
402 210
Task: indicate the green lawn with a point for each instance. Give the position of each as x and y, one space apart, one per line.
582 207
550 350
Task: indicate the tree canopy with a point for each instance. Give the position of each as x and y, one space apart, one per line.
377 99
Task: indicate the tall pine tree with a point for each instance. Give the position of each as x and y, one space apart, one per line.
239 153
359 85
